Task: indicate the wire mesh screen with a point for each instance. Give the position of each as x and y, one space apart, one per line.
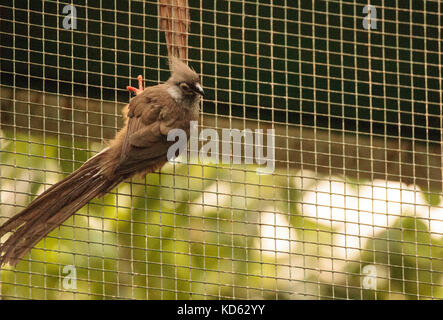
351 208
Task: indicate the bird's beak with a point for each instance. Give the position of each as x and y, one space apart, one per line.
198 88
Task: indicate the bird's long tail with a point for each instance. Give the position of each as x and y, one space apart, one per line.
50 209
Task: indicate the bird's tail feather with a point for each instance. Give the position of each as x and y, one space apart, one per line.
52 208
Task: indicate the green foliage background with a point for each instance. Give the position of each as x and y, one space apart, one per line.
168 240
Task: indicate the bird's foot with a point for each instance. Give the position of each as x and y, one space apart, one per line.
140 86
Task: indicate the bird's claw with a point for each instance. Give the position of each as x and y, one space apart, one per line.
140 86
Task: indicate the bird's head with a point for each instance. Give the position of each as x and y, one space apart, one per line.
185 79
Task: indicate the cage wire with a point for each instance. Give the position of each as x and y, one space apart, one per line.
352 210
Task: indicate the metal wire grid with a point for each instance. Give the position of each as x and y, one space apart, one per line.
357 186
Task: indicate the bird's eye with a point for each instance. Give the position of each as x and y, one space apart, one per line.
185 86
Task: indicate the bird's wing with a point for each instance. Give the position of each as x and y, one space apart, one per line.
151 115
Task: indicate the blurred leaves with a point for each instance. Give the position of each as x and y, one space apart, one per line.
205 232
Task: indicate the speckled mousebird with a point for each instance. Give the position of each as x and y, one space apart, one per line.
140 147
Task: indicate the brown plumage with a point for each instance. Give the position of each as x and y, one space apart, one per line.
140 147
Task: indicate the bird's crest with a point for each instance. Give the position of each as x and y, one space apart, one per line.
180 71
